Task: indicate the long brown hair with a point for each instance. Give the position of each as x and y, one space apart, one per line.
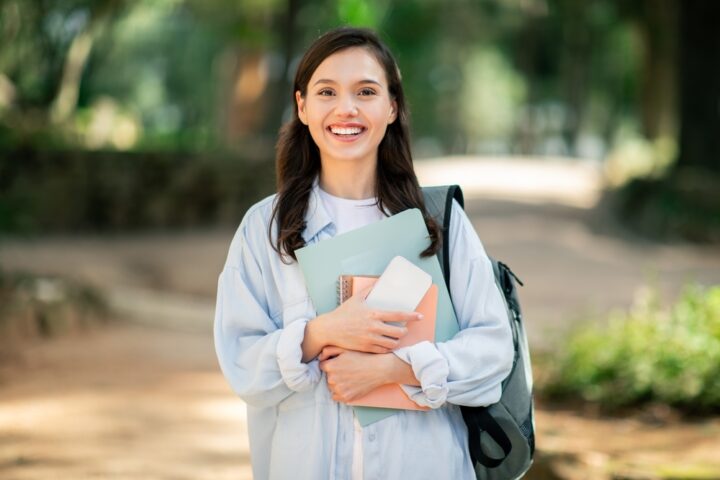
298 157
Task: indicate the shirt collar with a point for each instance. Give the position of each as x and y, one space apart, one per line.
316 217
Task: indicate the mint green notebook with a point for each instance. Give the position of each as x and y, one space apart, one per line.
367 251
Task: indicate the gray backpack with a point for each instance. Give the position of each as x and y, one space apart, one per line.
501 436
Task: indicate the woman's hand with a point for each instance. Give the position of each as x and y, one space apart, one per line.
352 374
354 326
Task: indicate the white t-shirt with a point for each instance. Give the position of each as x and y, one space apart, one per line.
348 215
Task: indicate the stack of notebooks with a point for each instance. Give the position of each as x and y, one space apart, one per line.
392 396
355 259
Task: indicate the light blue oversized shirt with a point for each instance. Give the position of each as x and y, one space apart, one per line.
296 430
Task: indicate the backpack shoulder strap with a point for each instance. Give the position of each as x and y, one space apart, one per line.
438 203
517 402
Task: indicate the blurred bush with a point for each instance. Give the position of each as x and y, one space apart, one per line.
649 354
33 306
114 191
682 205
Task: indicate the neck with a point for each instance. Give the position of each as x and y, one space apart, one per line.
349 180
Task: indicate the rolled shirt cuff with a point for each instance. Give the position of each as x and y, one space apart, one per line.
298 376
431 369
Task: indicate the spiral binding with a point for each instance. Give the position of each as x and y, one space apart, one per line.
344 288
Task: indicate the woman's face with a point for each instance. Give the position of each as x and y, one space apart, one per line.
347 107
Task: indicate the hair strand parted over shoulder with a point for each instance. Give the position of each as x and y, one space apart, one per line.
298 158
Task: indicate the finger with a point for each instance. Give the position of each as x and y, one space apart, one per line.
379 349
333 350
391 331
325 366
385 342
329 352
349 395
399 316
342 397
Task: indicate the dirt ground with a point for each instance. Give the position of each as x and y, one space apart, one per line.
133 401
122 401
143 398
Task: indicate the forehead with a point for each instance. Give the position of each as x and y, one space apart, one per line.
349 66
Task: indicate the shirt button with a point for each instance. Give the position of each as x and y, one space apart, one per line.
372 437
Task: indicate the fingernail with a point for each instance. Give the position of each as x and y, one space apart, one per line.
420 316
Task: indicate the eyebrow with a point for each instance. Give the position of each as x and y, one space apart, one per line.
366 80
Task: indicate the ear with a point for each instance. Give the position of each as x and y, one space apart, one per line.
393 112
301 107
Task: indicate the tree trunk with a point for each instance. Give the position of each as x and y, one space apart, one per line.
66 100
700 84
575 70
278 94
658 29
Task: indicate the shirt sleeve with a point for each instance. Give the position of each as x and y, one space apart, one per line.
261 360
469 368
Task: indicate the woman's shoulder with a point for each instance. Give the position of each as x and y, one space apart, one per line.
252 232
254 224
260 212
463 236
458 217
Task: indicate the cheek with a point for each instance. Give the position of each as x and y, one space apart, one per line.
315 117
382 116
316 132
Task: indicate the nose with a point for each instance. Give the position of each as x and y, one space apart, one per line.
346 106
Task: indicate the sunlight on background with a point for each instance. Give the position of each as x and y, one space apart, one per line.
558 180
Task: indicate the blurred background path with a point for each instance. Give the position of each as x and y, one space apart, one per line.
145 399
536 216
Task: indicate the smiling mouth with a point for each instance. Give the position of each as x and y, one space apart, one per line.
346 132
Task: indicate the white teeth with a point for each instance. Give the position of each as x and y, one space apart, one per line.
345 131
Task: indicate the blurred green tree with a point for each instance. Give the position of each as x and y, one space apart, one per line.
497 76
51 42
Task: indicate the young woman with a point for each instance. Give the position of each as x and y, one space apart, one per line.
343 162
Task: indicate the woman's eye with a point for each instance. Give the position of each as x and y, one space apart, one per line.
367 91
325 92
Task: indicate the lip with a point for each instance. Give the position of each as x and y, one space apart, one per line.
346 125
346 138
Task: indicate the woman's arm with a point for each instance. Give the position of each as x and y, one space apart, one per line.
466 370
469 368
258 354
352 374
265 360
354 326
248 343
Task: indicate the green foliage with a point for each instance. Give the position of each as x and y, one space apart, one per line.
493 97
172 69
669 355
113 191
591 79
684 203
361 13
